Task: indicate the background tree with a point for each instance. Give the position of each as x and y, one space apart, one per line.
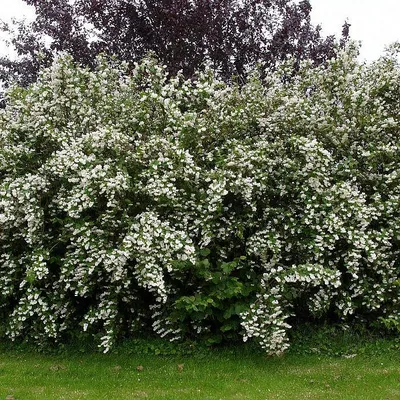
232 35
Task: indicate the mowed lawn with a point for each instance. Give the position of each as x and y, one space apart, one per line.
221 374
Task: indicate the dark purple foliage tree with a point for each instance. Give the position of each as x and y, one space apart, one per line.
233 35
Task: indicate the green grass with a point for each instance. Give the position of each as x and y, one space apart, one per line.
373 372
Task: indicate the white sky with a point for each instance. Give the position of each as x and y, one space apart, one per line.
373 22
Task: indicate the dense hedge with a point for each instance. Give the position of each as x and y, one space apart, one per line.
130 201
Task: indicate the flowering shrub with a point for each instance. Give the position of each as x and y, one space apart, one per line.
130 200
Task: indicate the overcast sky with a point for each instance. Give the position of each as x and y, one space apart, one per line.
373 22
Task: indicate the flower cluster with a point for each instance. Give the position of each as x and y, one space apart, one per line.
133 201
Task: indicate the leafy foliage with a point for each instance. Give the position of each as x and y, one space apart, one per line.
131 201
231 35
